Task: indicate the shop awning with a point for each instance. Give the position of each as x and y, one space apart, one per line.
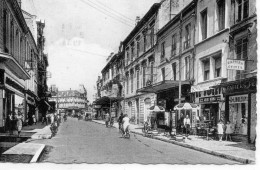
163 85
14 66
107 100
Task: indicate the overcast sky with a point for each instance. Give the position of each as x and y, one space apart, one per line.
98 26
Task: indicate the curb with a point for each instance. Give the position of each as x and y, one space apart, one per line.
37 154
230 157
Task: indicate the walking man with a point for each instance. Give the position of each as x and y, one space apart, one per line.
186 123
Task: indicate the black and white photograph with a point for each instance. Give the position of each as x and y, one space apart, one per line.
128 83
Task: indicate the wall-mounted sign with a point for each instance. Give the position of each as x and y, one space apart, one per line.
209 99
238 99
235 64
245 85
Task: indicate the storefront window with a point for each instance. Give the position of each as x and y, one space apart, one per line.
238 113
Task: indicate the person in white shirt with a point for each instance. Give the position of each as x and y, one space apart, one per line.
125 122
186 122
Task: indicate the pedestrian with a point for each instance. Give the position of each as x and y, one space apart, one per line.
8 124
19 123
229 130
186 123
120 119
107 119
220 130
34 119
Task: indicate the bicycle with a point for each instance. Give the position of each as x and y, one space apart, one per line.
127 132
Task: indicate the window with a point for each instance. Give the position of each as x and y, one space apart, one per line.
163 74
137 79
204 17
241 54
174 71
6 31
217 67
127 85
132 82
151 71
162 51
241 48
138 48
127 57
152 36
187 68
206 64
174 44
144 79
187 36
243 9
132 52
221 14
145 42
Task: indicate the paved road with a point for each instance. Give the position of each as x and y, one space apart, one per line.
89 142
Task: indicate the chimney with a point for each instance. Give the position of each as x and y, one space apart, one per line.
20 3
137 20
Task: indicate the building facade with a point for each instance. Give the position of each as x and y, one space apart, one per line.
110 87
70 101
203 52
19 58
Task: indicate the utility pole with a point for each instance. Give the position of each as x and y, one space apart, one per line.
180 59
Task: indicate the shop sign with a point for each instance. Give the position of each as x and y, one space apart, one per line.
235 64
209 99
241 86
238 99
30 100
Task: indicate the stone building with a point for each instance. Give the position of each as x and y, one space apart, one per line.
110 88
19 58
70 101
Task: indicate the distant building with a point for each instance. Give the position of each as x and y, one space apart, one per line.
70 101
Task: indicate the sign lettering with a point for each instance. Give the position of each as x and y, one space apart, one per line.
235 64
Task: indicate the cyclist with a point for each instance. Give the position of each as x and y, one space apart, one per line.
125 123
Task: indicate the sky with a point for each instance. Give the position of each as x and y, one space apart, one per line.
80 35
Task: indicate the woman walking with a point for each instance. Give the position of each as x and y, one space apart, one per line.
19 123
220 130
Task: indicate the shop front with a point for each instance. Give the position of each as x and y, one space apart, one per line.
240 108
167 93
30 109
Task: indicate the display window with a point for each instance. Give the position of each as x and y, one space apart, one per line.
238 113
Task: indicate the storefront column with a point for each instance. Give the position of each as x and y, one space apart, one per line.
227 108
249 118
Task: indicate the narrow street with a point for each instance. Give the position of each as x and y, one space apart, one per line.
88 142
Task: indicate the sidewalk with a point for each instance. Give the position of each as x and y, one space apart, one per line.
230 150
25 152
